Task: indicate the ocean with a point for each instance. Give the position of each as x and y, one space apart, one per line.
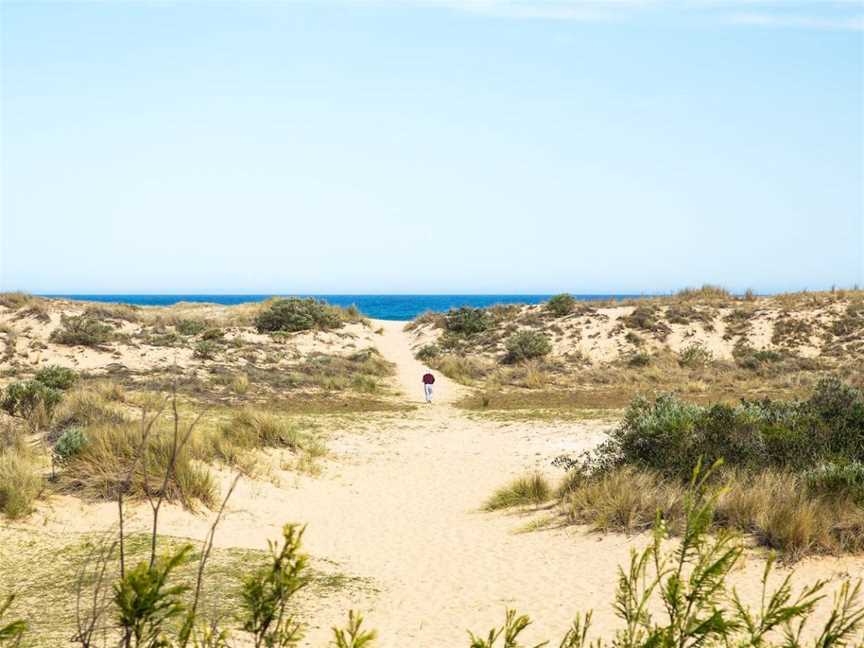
386 307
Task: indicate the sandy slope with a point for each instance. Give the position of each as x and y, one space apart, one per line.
398 508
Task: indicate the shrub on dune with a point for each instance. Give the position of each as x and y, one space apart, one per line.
81 330
561 305
298 314
467 320
526 345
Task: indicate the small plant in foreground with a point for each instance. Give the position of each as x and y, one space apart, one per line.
11 632
353 636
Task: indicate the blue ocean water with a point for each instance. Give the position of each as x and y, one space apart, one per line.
386 307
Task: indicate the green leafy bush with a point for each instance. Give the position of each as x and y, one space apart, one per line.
205 350
695 355
190 327
213 334
668 434
524 345
428 352
298 314
23 398
838 479
467 320
81 330
56 377
561 305
639 359
70 443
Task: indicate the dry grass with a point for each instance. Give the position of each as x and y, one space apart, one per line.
529 490
21 471
15 300
625 499
774 508
112 452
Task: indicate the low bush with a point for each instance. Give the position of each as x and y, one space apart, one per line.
428 352
467 320
81 330
639 359
190 327
668 434
56 377
298 314
561 305
70 443
533 489
213 334
647 318
465 370
525 345
695 355
205 350
25 398
838 479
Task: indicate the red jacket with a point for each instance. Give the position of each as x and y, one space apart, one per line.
428 379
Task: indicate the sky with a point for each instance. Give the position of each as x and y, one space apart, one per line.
453 146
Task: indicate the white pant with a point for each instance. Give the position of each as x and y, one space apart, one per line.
427 389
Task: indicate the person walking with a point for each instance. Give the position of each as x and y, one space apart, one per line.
428 381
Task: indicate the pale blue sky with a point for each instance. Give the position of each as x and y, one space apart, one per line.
452 146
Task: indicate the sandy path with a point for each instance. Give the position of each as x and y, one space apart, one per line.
398 509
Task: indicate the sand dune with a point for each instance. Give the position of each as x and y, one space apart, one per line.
398 509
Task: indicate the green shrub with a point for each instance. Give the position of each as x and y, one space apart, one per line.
23 398
695 355
81 330
524 345
639 359
56 377
70 443
838 479
213 334
428 352
298 314
561 305
190 327
467 320
205 350
668 434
